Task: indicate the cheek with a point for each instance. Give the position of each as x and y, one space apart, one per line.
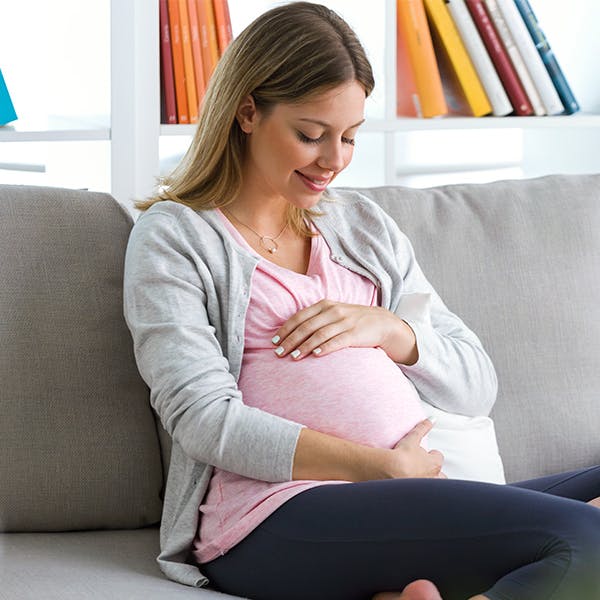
286 151
298 155
348 154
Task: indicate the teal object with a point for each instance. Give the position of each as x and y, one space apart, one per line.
7 110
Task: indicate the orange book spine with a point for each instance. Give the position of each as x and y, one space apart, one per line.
413 27
196 50
208 37
178 66
188 62
223 21
407 97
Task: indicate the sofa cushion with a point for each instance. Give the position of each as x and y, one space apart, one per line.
519 261
79 443
94 565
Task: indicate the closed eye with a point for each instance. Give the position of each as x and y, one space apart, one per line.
309 140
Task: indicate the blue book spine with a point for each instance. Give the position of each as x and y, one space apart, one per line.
7 110
541 42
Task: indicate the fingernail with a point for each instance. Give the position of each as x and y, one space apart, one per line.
317 351
275 339
295 353
279 351
432 419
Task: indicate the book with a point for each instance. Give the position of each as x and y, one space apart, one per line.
515 56
7 110
223 22
541 78
541 43
196 50
419 85
461 72
188 61
488 76
510 80
169 104
178 65
208 37
407 97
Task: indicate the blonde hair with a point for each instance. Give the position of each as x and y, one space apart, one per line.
287 55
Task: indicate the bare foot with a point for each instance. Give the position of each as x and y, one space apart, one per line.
595 502
421 589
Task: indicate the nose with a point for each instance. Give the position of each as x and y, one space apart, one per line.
334 156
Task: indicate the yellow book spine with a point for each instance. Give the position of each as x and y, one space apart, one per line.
470 84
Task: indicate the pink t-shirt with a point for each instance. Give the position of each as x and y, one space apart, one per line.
358 394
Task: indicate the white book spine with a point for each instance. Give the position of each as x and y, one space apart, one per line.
515 57
533 60
484 67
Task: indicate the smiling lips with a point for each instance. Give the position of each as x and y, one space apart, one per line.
316 184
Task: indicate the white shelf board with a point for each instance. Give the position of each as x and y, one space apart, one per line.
56 129
412 124
177 130
408 124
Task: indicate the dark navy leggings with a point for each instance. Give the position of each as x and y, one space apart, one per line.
534 540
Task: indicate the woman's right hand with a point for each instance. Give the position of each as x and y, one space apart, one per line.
322 457
409 459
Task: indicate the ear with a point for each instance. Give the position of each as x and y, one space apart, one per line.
247 114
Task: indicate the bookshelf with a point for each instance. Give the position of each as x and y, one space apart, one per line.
542 139
57 129
134 133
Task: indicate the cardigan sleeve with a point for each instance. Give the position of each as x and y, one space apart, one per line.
179 357
453 371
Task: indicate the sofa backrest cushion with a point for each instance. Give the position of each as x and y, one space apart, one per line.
78 443
519 262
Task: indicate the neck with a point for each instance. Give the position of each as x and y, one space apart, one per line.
265 217
257 205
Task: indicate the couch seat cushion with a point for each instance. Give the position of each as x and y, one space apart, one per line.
94 565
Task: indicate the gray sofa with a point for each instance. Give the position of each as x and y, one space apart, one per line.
82 460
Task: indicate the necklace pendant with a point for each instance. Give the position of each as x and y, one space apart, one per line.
269 244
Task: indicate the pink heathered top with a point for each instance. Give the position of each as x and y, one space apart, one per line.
358 394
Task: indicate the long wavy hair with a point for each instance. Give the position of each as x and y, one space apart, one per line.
289 54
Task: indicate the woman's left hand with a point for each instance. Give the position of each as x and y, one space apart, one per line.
327 326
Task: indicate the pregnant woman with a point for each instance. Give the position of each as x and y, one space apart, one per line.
267 319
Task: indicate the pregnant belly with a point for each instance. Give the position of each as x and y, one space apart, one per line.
358 394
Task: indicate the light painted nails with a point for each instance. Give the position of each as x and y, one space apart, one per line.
317 351
279 351
275 339
295 353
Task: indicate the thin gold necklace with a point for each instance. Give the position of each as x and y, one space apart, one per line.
267 242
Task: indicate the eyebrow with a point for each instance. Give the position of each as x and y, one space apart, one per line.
324 124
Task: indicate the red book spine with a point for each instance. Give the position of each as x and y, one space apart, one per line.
506 71
178 66
166 57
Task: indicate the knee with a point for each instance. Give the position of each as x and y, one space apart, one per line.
581 532
576 547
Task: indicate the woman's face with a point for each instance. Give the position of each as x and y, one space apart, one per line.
296 150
